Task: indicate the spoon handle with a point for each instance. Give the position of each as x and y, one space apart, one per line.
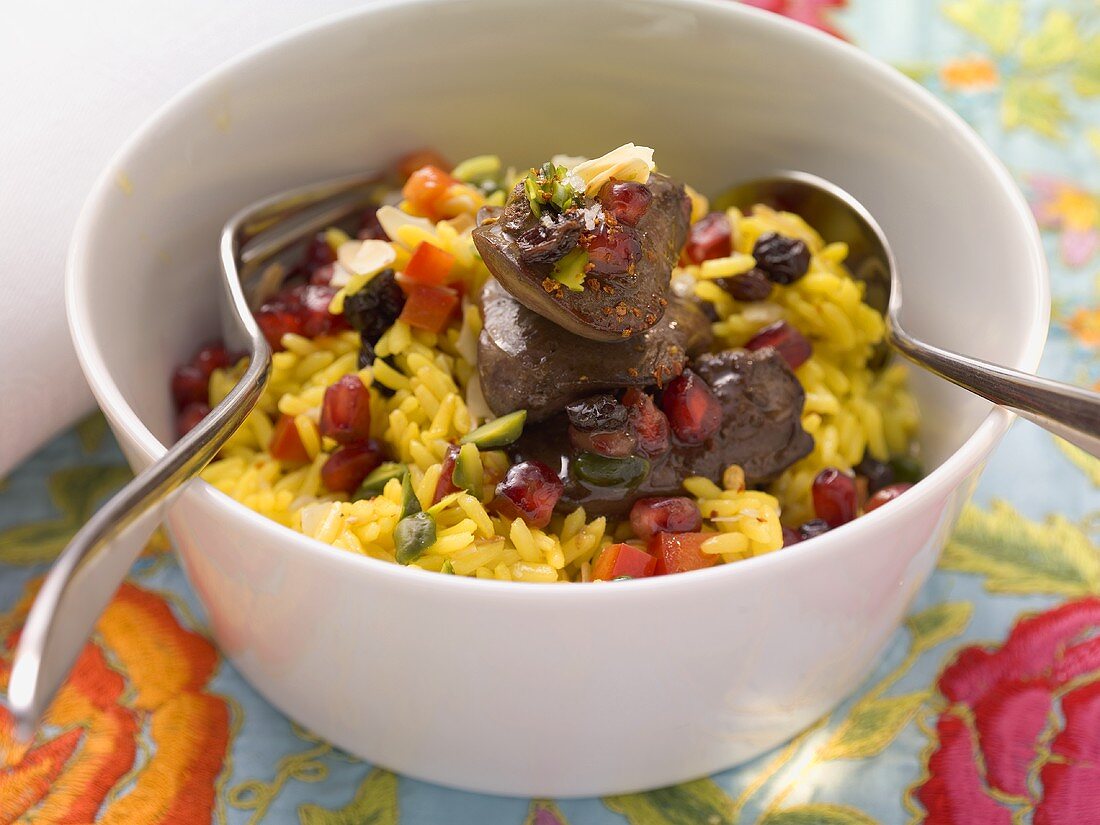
1070 412
94 563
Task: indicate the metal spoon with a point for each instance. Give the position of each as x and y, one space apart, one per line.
1067 411
92 566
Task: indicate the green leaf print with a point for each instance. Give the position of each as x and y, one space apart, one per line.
997 23
1034 104
872 725
693 803
1054 43
938 623
75 491
1017 555
818 814
375 803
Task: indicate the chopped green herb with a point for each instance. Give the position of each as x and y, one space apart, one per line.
546 187
412 536
447 568
500 432
379 477
468 473
569 271
906 468
410 504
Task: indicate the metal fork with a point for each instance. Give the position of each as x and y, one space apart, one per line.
90 569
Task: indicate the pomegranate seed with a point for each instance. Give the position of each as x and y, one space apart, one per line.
316 319
346 468
345 412
615 444
626 200
649 423
190 416
612 251
835 499
694 412
371 229
211 357
318 253
276 320
888 493
190 385
813 527
786 340
709 237
529 491
676 514
790 537
446 484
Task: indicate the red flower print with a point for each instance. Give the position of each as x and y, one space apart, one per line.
813 13
1042 685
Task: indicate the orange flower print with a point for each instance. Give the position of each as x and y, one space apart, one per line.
1070 210
141 672
1084 325
970 74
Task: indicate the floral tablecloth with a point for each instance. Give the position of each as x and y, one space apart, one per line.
985 709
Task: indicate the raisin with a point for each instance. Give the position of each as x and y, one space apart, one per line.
601 413
373 309
783 260
748 286
879 474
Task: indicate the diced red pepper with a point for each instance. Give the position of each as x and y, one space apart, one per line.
623 560
679 552
428 307
419 158
425 188
286 444
429 265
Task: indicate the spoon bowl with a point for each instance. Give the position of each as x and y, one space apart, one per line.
1067 411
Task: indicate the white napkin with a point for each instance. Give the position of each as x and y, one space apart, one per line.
75 80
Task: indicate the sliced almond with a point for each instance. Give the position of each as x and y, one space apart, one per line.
365 257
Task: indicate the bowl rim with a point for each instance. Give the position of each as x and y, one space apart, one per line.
937 484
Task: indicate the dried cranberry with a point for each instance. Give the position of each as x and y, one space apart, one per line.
317 253
316 319
345 411
786 340
371 228
373 309
276 319
612 251
784 260
676 514
813 527
835 499
879 474
709 237
446 485
190 416
597 413
650 425
547 244
529 491
748 286
189 385
212 357
888 493
346 468
791 536
613 444
626 200
694 412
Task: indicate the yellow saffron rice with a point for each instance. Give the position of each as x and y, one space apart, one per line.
432 398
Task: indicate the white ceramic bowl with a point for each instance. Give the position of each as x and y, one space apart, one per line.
527 689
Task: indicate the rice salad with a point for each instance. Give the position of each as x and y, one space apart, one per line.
571 373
